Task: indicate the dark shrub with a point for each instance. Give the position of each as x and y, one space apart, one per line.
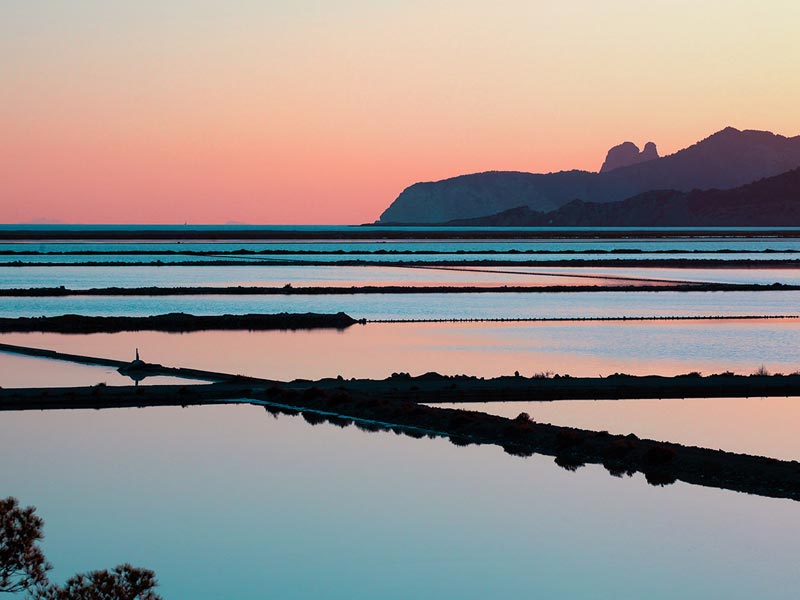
313 393
340 398
367 426
568 437
313 418
710 468
659 455
461 419
570 463
290 395
658 477
515 450
460 440
618 448
517 431
339 421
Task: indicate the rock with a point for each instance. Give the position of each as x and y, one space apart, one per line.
627 154
649 153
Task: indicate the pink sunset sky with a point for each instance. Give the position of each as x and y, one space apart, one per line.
166 111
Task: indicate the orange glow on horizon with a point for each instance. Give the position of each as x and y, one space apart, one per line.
303 113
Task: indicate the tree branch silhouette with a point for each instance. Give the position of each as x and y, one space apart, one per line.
22 562
23 567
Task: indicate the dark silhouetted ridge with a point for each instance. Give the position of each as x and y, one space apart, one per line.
727 159
770 202
627 154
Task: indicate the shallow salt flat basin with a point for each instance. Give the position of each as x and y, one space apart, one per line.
76 277
481 349
197 493
104 258
426 306
761 276
761 426
18 371
642 257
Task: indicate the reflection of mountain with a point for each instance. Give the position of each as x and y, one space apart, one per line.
727 159
774 202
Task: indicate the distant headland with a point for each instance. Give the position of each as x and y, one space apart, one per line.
706 184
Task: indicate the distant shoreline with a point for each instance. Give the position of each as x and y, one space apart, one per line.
381 232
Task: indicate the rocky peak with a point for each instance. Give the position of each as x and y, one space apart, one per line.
627 154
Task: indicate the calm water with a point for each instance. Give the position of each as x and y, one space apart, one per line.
427 306
761 426
514 249
276 276
24 371
227 502
482 349
33 260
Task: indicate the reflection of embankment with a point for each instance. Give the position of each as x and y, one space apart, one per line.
661 463
176 322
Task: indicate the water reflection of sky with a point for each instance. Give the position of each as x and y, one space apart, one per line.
482 349
760 426
24 371
425 306
278 276
381 258
227 502
75 277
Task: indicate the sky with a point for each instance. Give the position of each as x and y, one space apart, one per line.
173 111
